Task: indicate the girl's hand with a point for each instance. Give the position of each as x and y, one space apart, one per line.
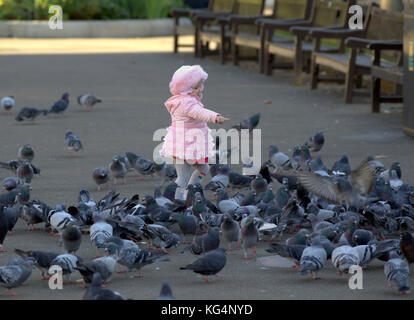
221 119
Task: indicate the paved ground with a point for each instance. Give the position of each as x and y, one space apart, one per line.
133 83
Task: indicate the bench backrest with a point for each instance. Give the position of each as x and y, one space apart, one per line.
384 25
330 13
249 7
292 9
221 5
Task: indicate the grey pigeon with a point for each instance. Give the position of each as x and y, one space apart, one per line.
188 224
238 180
136 258
220 180
166 292
25 171
96 292
68 263
88 100
344 257
292 252
248 123
73 143
100 176
105 266
11 183
279 160
209 263
312 260
118 169
29 114
249 235
43 259
396 271
315 143
160 236
61 105
71 239
100 231
7 103
4 227
204 243
26 152
142 165
12 276
230 230
166 172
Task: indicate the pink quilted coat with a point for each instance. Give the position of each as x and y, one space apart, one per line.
188 138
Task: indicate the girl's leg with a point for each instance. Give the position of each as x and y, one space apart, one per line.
183 175
199 173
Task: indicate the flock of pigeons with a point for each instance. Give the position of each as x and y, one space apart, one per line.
348 217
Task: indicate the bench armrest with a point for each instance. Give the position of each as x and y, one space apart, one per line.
335 33
396 45
273 24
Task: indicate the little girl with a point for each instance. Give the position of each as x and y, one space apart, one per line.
188 140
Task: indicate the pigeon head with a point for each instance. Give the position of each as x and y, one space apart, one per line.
272 150
65 96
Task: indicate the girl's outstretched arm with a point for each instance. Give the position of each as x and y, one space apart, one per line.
197 112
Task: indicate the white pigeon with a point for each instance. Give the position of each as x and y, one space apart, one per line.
344 257
312 260
7 103
396 271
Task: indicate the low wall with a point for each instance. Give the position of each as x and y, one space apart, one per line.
90 29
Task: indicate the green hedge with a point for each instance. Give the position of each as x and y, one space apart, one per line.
87 9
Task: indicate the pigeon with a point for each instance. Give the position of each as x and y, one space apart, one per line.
396 271
96 292
68 263
29 114
12 183
142 165
7 103
220 180
292 252
12 276
249 235
407 246
43 259
26 152
61 105
100 176
362 237
259 184
59 220
160 236
118 169
25 171
166 172
204 243
209 263
12 213
341 167
105 266
344 257
100 231
88 100
4 227
339 190
312 260
188 224
249 123
279 160
71 239
136 258
73 143
32 214
166 292
230 230
238 180
315 143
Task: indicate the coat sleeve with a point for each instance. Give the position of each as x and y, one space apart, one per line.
196 111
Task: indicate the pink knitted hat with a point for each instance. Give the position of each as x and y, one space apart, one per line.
185 78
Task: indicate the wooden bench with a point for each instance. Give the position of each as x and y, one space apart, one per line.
356 62
214 6
287 10
221 36
325 13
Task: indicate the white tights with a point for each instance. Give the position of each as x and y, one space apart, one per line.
184 177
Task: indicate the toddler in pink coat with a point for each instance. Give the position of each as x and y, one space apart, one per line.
188 140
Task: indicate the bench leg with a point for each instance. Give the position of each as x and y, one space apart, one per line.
375 94
175 35
298 69
234 53
349 86
315 74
